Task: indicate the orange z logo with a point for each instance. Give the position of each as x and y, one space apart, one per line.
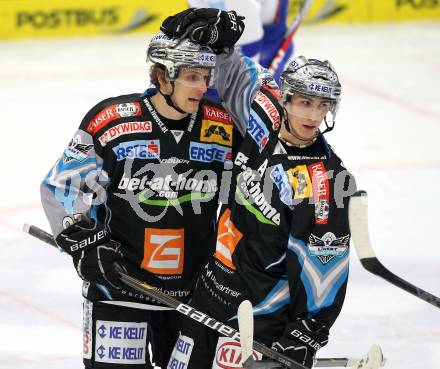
163 251
227 239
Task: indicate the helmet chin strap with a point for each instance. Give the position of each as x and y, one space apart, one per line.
170 102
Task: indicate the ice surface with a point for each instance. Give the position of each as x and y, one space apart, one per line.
386 133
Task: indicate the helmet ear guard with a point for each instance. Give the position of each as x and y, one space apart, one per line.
314 78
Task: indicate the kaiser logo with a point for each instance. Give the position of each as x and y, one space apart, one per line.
218 115
321 192
111 113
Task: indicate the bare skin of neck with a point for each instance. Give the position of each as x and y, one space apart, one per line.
293 139
164 109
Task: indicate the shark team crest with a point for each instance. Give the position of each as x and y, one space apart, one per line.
328 247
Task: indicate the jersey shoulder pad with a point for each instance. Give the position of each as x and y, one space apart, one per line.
110 110
266 104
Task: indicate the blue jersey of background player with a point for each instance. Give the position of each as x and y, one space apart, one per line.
264 33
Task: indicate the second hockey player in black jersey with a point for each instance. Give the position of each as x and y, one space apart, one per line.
283 236
139 185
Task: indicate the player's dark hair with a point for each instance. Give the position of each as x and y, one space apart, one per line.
155 70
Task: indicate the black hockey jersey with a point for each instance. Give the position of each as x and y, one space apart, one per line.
154 188
283 236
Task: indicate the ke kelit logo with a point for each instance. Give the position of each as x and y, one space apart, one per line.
279 177
228 236
216 132
218 115
76 151
321 192
258 130
316 87
301 183
228 354
163 251
208 153
111 113
141 149
328 246
120 342
181 353
269 108
124 129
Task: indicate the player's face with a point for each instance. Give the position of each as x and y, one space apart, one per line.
190 87
306 114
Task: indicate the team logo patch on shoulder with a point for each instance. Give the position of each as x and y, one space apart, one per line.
269 108
140 149
208 153
111 113
216 114
218 132
76 151
328 246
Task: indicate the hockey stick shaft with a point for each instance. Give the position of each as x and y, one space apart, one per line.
285 44
180 307
358 217
198 315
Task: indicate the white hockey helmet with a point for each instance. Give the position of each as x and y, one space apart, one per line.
311 77
174 54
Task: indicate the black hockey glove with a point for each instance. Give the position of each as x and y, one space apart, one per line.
301 342
208 26
92 251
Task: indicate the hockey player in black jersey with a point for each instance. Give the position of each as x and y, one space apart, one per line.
283 236
138 185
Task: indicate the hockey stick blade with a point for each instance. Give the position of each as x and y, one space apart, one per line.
374 359
358 218
46 237
246 327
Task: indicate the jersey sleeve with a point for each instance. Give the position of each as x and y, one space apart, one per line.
238 81
75 186
317 270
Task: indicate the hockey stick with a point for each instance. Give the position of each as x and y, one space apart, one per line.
358 218
372 360
246 328
285 44
211 322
